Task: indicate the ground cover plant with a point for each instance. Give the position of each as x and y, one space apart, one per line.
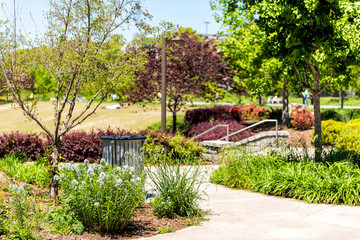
336 182
35 173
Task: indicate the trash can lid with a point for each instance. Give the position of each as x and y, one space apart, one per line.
118 137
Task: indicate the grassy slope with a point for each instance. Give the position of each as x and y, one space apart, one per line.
134 117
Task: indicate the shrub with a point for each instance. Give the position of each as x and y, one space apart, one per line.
216 113
160 146
302 119
218 132
30 146
275 113
178 189
330 130
349 137
103 197
330 114
253 112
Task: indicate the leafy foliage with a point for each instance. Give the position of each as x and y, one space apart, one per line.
31 145
302 119
64 221
330 183
194 68
216 113
219 132
349 138
330 131
29 173
159 147
104 198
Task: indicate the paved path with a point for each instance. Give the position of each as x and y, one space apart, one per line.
237 214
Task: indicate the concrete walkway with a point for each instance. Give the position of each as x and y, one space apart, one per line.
237 214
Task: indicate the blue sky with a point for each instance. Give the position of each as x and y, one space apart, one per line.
186 13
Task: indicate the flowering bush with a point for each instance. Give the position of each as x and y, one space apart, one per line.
218 132
302 119
330 130
103 197
249 112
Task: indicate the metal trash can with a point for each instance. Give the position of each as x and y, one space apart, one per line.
124 150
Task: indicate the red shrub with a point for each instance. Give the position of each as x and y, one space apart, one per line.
15 143
216 113
218 132
302 119
253 112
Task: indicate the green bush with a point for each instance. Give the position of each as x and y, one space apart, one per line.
330 183
178 190
104 198
173 149
349 138
330 130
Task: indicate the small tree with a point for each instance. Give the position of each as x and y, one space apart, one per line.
194 68
72 54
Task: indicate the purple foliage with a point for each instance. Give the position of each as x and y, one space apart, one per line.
216 113
31 145
218 132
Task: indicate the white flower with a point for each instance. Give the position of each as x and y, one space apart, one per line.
118 169
132 169
74 182
118 182
86 161
125 167
96 204
102 161
83 183
102 175
138 179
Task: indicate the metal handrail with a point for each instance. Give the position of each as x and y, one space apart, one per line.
219 125
266 120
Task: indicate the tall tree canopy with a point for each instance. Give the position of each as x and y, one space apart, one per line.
194 68
313 35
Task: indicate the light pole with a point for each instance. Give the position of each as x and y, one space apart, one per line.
163 80
207 23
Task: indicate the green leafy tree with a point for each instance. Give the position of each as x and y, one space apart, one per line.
313 35
73 54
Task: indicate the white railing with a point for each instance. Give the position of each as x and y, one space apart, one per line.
219 125
241 130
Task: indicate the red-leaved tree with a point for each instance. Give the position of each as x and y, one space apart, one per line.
194 68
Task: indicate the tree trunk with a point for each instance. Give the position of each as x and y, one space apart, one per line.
260 100
285 114
54 169
342 95
317 138
174 121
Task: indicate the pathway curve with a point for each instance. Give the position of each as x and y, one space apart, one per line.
238 214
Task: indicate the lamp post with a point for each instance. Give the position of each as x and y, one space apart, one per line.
163 80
